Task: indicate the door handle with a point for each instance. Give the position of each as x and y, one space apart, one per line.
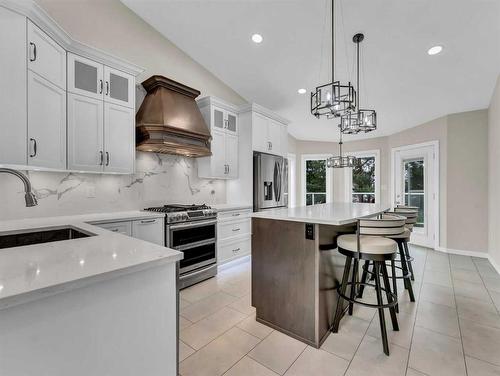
148 221
100 86
34 148
101 158
34 51
107 88
107 159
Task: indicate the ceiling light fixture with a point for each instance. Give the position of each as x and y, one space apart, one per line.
301 91
435 50
257 38
362 120
342 161
333 99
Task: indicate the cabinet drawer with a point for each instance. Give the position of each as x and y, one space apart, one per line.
46 57
229 229
124 228
230 250
234 215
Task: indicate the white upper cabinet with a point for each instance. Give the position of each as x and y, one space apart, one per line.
119 138
267 134
231 148
46 123
46 57
223 122
85 133
119 87
85 77
13 81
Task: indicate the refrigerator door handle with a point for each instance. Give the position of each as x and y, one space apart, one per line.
275 181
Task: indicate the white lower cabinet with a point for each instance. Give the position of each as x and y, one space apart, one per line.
46 123
147 229
234 229
151 230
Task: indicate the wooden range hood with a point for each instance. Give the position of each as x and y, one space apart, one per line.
169 120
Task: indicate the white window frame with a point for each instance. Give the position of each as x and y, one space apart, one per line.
292 180
348 174
329 175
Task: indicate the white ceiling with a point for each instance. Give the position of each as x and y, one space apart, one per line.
401 82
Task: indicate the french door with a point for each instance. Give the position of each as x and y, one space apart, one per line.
415 183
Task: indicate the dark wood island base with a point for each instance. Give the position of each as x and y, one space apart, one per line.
294 277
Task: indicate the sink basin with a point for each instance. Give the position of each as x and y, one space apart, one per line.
40 236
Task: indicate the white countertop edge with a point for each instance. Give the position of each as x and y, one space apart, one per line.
230 207
45 292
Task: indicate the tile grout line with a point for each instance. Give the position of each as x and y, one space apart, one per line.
458 319
487 290
416 311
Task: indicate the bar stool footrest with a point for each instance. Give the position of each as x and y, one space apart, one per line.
369 305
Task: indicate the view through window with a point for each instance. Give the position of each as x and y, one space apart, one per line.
363 181
315 182
415 187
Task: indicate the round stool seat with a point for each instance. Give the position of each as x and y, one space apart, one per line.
368 244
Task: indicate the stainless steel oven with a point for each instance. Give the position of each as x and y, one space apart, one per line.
197 240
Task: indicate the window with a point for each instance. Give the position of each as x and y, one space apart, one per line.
316 180
362 180
414 187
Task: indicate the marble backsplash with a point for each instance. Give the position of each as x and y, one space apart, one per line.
159 179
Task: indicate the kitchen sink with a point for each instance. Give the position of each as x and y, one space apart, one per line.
40 236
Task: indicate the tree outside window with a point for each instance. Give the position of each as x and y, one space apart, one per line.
315 182
363 181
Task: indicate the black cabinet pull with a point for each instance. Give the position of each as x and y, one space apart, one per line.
107 159
34 51
34 148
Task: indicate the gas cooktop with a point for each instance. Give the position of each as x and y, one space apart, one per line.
184 213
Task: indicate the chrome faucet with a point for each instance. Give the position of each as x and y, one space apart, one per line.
29 197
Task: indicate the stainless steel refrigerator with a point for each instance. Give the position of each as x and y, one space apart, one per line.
270 181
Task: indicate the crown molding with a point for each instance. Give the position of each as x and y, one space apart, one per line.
43 20
254 107
211 100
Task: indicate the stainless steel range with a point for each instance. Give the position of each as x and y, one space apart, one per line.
192 229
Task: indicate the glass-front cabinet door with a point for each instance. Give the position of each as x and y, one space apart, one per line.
218 118
118 87
85 77
231 123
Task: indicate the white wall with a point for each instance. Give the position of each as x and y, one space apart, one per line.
494 175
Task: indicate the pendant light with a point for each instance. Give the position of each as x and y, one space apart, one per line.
342 161
333 99
360 120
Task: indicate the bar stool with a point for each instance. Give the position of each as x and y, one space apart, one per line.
370 243
400 239
411 214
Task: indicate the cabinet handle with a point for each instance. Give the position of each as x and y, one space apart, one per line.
34 51
236 229
236 214
100 86
148 221
107 159
236 250
271 144
115 230
101 158
228 169
107 88
34 147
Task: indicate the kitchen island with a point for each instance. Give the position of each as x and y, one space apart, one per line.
81 300
296 267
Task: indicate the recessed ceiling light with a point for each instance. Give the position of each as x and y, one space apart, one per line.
257 38
301 91
435 50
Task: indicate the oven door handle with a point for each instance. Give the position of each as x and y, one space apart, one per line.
194 245
192 224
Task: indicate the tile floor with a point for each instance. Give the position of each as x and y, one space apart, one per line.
452 329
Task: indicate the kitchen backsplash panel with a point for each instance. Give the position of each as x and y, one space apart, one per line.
159 179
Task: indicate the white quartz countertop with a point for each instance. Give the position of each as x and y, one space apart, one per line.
229 207
337 213
34 271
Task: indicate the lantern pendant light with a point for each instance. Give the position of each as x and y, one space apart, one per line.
333 99
342 161
360 120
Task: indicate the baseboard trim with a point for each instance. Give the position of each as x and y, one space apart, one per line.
463 253
494 264
232 263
